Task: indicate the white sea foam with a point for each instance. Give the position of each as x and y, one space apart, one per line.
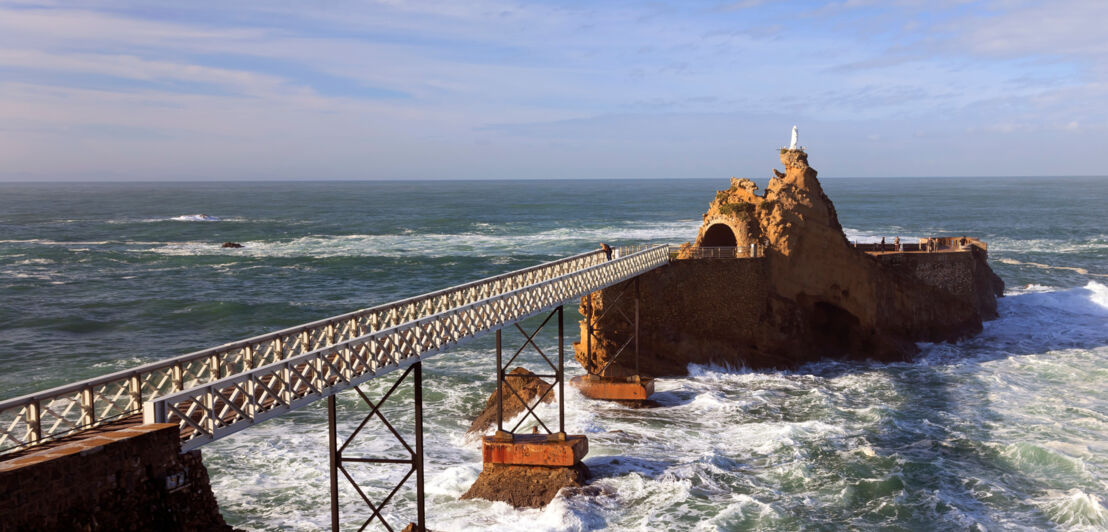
1075 508
440 244
196 218
864 236
737 449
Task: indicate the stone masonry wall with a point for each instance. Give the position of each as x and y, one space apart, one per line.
699 311
130 479
964 274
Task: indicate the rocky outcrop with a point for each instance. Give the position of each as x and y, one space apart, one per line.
808 294
525 486
528 387
233 245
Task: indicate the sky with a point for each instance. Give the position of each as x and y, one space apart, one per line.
499 89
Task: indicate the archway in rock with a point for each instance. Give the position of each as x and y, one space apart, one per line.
719 235
834 328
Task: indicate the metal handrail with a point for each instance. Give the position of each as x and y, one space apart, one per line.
219 408
715 252
42 416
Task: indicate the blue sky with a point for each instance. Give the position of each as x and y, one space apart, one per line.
337 89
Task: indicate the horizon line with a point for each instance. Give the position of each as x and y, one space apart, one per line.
506 179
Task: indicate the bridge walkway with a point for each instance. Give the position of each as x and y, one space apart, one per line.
218 391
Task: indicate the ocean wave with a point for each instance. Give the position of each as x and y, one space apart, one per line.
48 242
554 241
1074 508
1048 245
864 236
196 218
1042 266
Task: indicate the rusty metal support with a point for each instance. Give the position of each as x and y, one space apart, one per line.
561 373
332 451
503 374
589 320
414 459
632 322
499 385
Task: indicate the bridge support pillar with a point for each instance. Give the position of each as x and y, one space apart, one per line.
338 457
553 449
608 382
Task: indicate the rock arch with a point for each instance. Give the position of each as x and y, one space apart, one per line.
719 235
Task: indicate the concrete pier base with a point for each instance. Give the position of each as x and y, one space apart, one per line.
535 450
633 388
528 470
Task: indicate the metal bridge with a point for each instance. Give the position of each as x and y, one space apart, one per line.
221 390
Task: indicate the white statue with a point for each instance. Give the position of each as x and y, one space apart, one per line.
792 144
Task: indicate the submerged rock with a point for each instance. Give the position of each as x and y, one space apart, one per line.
529 388
525 486
231 245
808 293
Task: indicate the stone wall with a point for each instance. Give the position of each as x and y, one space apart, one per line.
130 479
964 274
693 311
725 312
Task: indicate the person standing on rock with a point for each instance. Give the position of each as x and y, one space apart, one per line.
607 250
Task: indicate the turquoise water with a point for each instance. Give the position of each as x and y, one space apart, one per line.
1007 430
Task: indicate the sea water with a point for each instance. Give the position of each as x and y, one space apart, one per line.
1006 430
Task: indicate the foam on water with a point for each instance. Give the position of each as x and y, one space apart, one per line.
857 444
437 245
1005 430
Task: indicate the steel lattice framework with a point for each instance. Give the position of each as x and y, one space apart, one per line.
224 406
220 390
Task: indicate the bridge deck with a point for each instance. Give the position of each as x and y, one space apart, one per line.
217 391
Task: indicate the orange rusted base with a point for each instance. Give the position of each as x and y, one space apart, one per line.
614 388
535 450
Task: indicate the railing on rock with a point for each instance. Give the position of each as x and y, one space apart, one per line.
714 252
36 418
47 415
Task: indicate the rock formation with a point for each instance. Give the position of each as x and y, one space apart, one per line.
520 485
525 486
529 387
231 245
808 294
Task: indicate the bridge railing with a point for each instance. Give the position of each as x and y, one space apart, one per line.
50 414
714 252
221 407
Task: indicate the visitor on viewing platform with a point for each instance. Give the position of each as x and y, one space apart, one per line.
607 250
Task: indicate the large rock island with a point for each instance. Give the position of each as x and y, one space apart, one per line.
772 282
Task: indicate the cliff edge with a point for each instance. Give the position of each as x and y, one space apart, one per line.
798 291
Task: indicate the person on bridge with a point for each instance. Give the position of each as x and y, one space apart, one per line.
607 250
896 244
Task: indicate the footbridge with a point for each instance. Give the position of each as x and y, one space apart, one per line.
216 392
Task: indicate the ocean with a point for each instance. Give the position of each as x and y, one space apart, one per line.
1007 430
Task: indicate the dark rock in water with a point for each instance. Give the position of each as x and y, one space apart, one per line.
412 527
525 486
529 387
231 245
